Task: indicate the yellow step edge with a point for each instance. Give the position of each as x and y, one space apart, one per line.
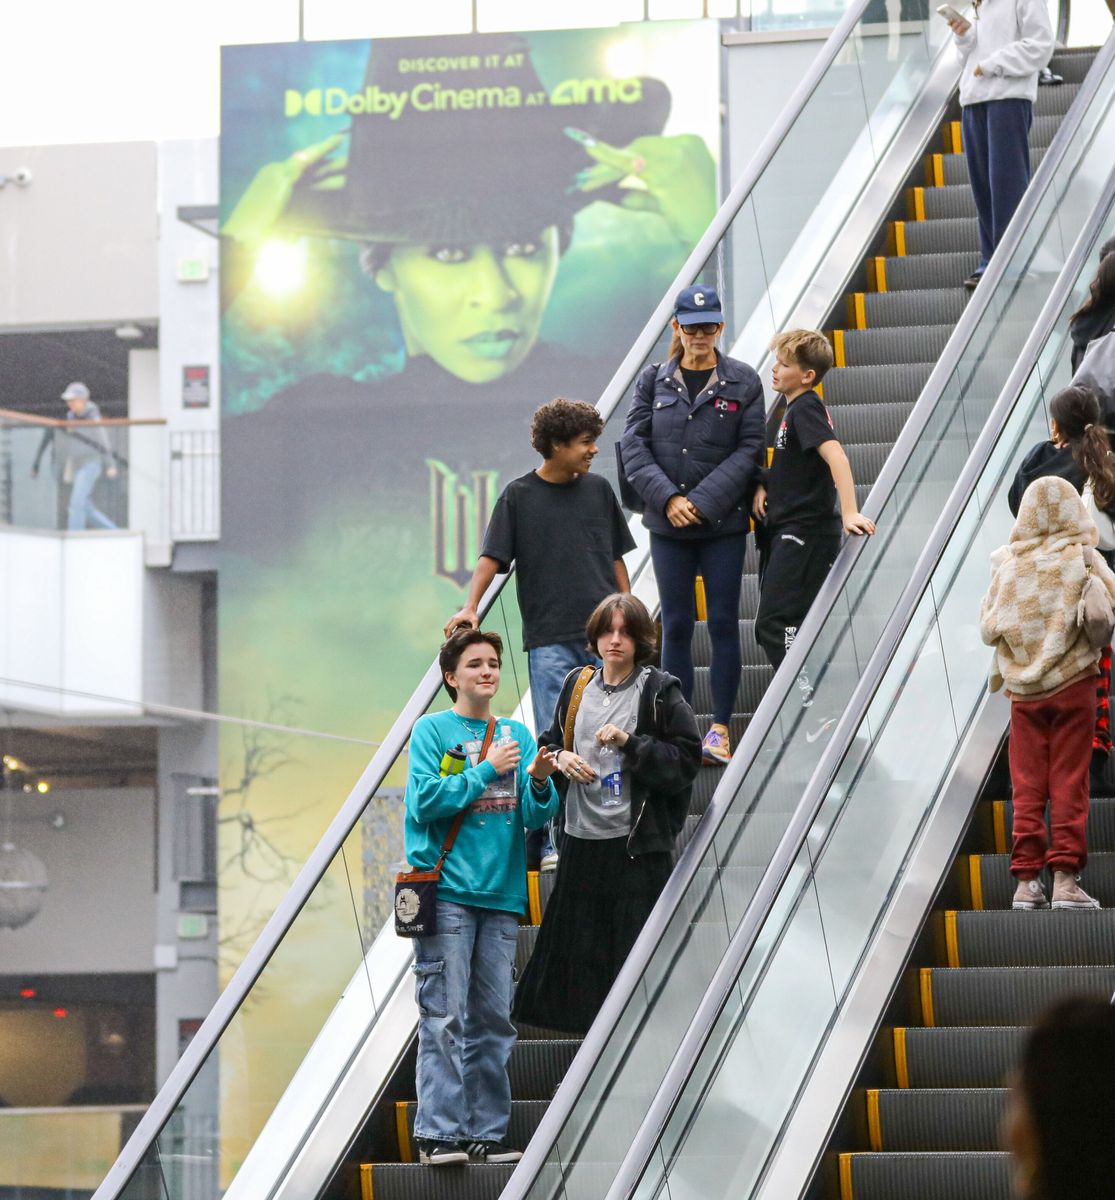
951 136
534 897
957 142
901 1064
366 1181
880 274
839 359
915 204
857 311
702 601
900 239
820 389
952 946
999 822
402 1131
874 1129
934 170
975 881
846 1177
927 1015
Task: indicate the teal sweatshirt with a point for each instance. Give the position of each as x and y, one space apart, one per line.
487 865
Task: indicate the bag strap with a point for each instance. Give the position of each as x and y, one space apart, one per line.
459 819
575 703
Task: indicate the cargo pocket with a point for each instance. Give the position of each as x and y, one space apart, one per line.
431 993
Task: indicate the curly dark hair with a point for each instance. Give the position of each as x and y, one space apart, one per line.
457 643
637 621
563 421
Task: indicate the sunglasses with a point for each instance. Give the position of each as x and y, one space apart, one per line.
708 328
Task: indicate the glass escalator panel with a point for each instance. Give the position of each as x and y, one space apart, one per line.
727 1123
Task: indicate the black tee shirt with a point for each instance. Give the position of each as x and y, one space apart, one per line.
695 381
564 539
800 490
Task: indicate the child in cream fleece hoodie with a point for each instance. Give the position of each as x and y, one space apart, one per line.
1044 657
1001 50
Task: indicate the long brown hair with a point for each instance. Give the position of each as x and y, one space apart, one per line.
1079 421
1101 291
638 622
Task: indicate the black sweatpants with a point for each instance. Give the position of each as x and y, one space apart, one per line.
791 570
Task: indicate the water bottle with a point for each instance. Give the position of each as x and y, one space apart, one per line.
611 776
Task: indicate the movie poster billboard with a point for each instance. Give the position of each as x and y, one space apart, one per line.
422 241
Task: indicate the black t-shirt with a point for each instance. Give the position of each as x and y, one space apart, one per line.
564 539
695 381
800 490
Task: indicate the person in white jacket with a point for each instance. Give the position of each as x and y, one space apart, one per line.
1002 50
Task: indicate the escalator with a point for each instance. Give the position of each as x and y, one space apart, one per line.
888 957
343 1120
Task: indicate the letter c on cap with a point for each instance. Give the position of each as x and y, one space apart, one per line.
699 299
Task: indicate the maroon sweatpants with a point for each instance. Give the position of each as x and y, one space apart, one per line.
1050 752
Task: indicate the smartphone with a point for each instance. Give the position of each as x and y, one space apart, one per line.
949 13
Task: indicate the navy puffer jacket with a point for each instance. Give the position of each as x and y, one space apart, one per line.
707 451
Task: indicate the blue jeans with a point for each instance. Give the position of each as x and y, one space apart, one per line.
996 135
548 667
719 561
465 978
83 512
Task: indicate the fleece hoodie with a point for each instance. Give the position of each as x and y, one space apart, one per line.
1030 612
487 866
1010 41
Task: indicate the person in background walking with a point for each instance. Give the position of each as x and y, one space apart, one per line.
1001 51
691 449
84 454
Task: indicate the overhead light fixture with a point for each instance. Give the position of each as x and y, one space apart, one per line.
129 331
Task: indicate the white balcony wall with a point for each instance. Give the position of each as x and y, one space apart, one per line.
71 623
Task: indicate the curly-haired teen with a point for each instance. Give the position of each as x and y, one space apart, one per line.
566 534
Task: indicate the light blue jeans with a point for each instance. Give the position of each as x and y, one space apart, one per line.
548 667
465 977
83 512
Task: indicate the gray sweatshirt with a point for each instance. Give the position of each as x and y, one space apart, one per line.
1010 41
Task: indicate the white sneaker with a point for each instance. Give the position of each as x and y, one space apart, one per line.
1029 895
1067 892
549 862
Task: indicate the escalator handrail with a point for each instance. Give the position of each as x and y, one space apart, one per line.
347 816
746 935
784 681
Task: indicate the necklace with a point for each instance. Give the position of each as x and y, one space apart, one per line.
471 729
609 689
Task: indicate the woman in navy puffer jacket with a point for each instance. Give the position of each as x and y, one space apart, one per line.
691 449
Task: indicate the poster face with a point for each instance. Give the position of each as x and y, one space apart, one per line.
423 241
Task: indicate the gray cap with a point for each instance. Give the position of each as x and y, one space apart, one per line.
76 391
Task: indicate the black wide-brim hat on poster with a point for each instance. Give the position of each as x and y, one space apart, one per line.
438 174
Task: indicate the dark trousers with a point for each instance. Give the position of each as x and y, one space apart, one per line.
1050 752
793 567
996 136
719 561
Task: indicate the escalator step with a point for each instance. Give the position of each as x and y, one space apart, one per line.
1043 129
1005 995
956 165
882 347
929 270
939 306
952 200
959 1057
754 679
858 385
946 236
536 1068
1073 64
964 1175
933 1119
405 1181
525 1116
1056 101
858 423
702 647
528 935
993 885
1035 939
867 460
749 594
1099 832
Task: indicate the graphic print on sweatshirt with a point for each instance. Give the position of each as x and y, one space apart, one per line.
502 794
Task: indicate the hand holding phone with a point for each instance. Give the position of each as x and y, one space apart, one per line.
956 22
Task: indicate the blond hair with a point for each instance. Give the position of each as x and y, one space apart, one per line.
807 348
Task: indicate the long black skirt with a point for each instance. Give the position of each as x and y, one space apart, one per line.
601 900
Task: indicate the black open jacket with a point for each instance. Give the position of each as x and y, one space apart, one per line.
663 757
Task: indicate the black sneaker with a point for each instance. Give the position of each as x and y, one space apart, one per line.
441 1154
972 282
1046 78
492 1152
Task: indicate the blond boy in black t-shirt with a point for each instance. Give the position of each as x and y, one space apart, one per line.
797 499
